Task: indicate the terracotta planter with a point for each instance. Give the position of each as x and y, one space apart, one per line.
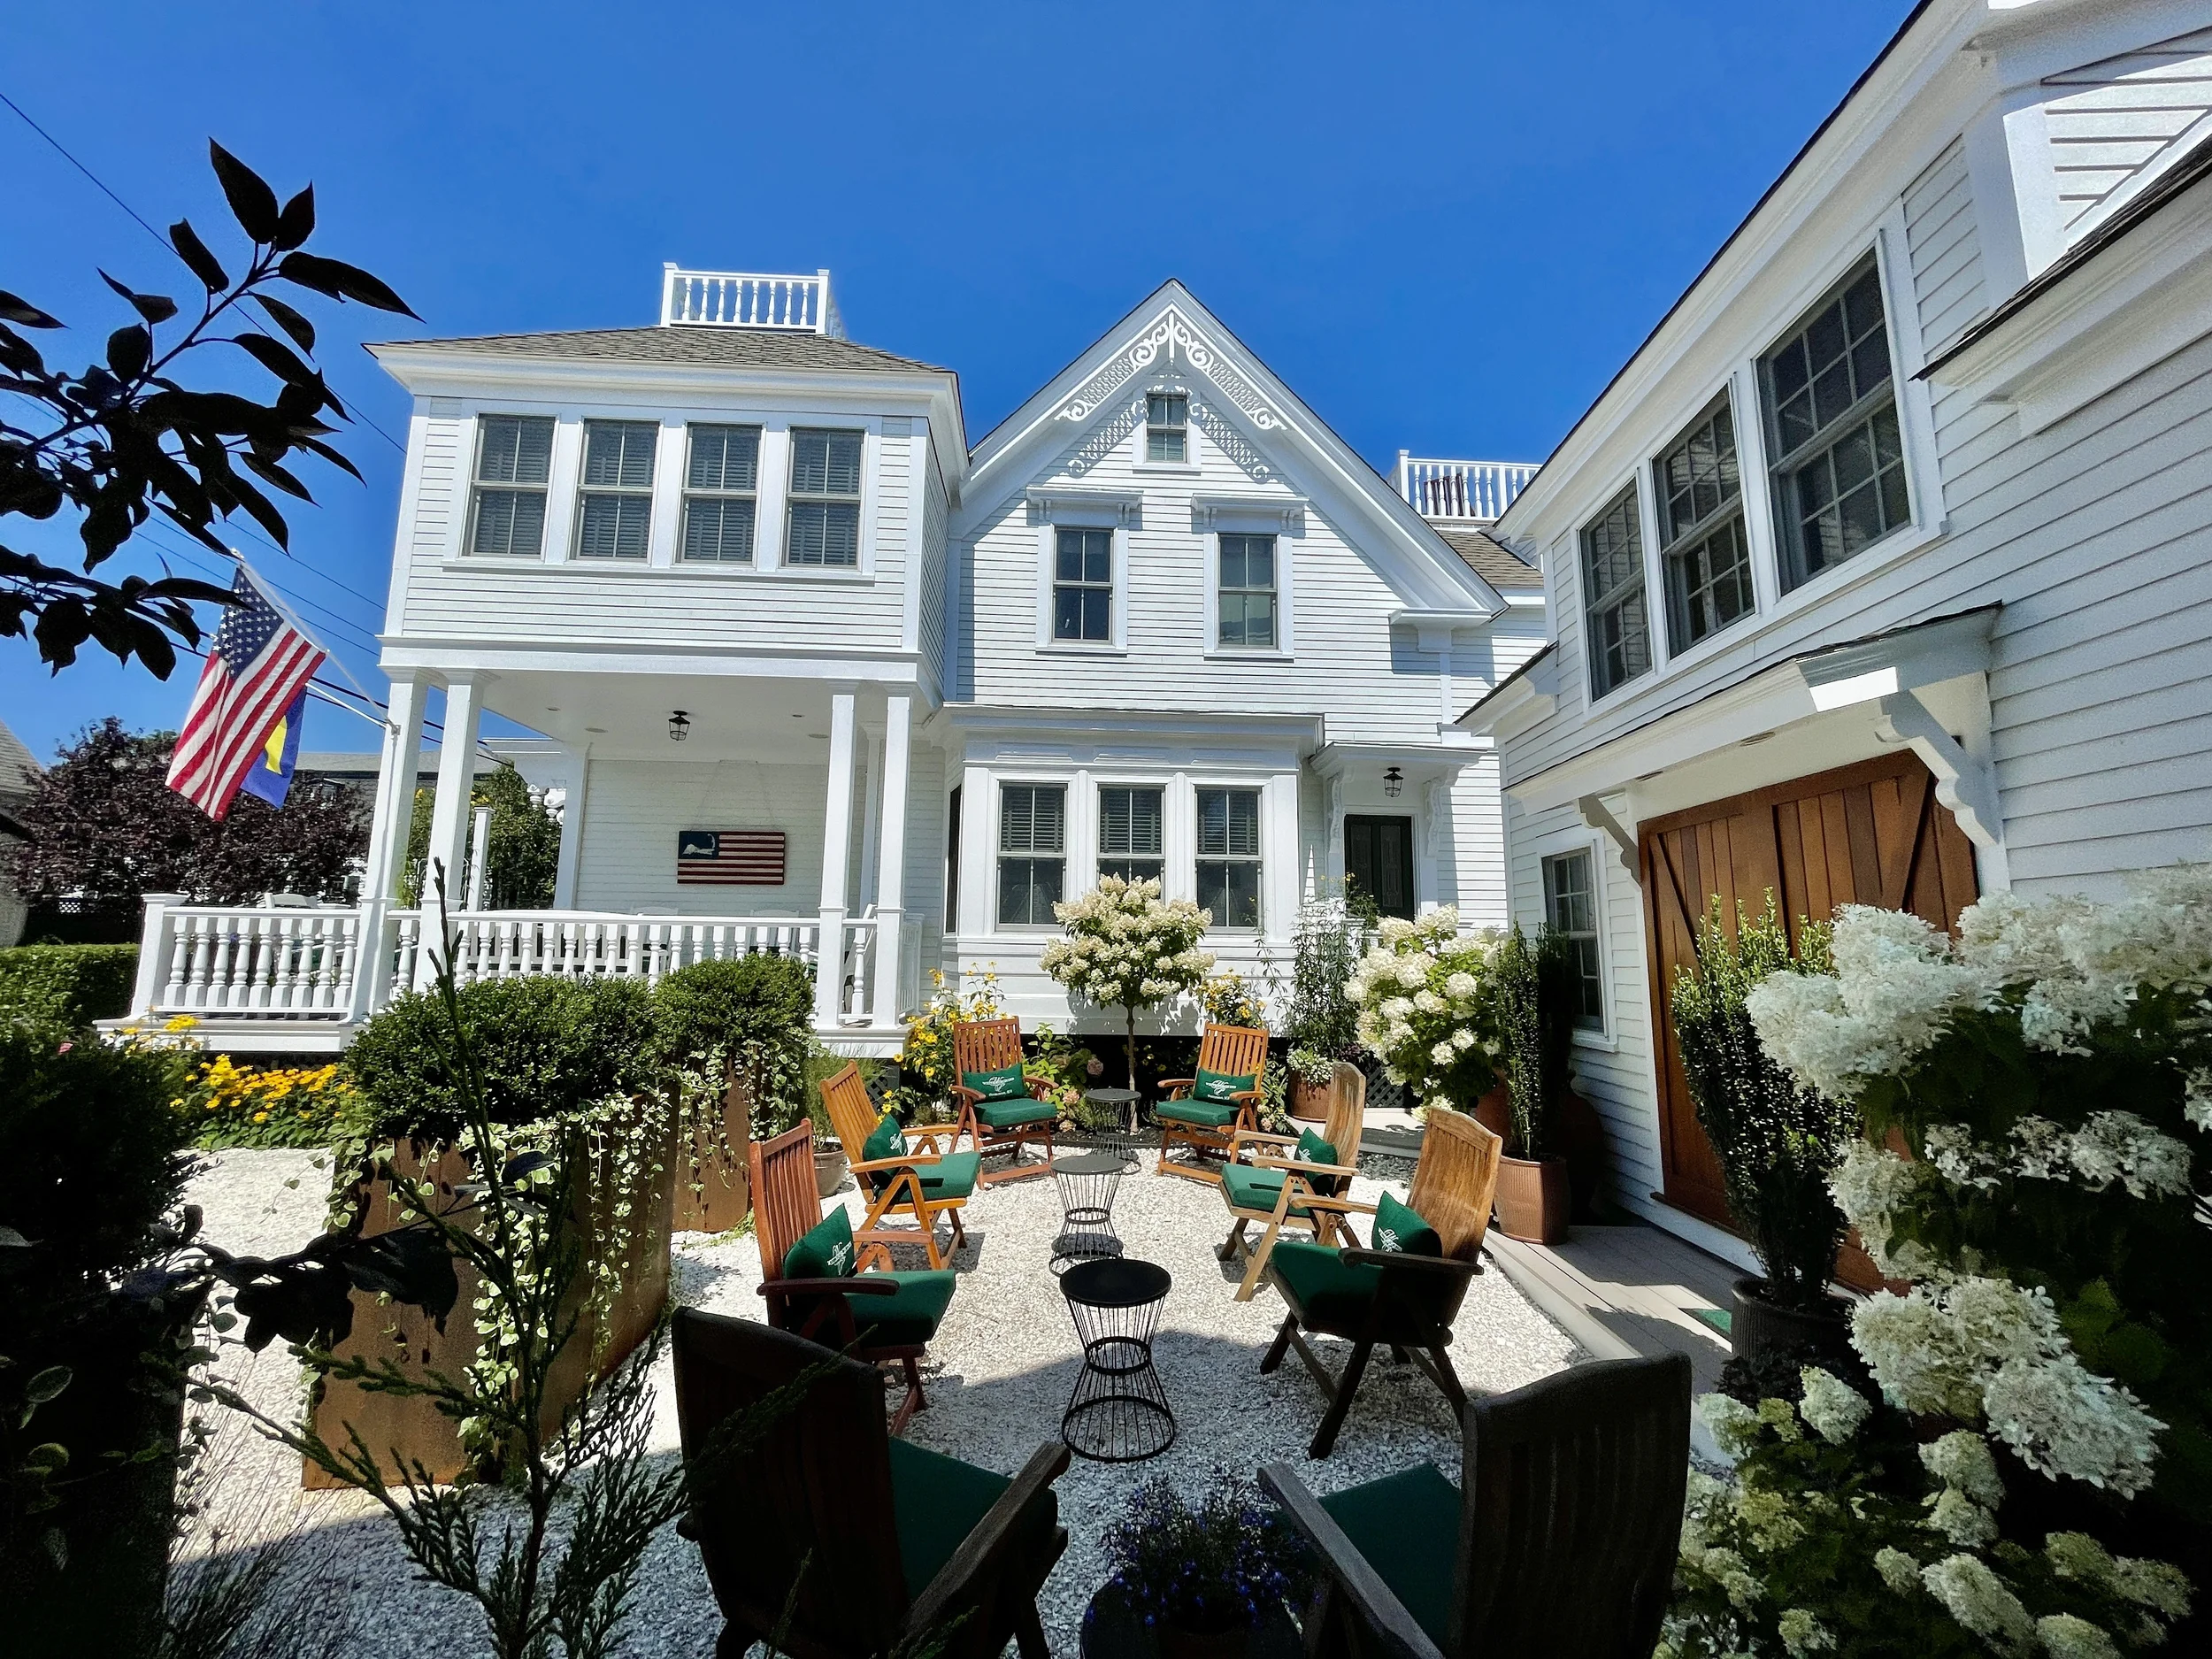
1494 1110
1175 1642
411 1427
713 1191
830 1169
1309 1102
1758 1326
1533 1200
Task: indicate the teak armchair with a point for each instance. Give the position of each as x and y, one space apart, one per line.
934 1182
1405 1302
875 1315
1264 1181
1206 1127
831 1538
1558 1543
999 1125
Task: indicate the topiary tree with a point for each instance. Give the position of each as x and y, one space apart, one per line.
751 1019
1532 985
1128 947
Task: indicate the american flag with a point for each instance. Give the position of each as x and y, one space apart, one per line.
738 858
260 662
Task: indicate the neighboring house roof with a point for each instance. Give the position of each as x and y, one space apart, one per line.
19 769
1491 560
726 348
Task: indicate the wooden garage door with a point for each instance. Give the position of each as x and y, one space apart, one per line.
1873 834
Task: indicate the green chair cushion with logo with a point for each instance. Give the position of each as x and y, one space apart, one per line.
1400 1228
1017 1113
825 1250
1312 1148
1215 1087
1006 1083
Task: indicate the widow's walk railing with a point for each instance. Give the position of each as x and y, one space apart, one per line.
1479 490
748 299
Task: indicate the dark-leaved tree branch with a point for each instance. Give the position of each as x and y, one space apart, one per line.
124 438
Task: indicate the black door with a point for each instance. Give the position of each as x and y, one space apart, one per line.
1378 861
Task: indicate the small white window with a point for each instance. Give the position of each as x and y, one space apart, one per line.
615 514
824 508
1617 629
1571 911
1167 427
1032 844
1246 595
721 490
514 457
1129 824
1229 856
1083 585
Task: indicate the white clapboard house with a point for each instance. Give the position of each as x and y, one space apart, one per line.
826 681
1882 571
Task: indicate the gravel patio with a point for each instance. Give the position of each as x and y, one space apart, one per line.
998 1377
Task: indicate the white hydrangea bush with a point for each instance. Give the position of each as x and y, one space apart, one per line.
1125 947
1424 1011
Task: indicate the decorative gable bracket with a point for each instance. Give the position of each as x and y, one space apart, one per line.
1170 337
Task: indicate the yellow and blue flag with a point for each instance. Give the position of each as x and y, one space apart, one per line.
270 776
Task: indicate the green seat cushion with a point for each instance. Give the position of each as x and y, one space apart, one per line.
1407 1526
1400 1228
908 1319
1218 1087
1312 1148
1202 1114
1326 1292
1006 1083
952 1176
937 1501
825 1250
1015 1114
1244 1187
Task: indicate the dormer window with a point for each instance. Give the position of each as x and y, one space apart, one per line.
825 509
1167 427
615 513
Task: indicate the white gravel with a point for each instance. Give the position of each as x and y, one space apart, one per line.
998 1377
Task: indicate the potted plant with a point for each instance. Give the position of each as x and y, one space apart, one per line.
1128 947
1778 1140
1200 1577
1534 1199
1323 1024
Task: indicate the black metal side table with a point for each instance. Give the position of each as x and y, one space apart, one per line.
1125 1100
1119 1413
1087 1182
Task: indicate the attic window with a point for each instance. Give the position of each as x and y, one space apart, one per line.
1166 426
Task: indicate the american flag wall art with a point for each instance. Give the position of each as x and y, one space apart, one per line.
733 858
257 664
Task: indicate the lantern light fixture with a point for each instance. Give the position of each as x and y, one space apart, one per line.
1393 780
679 726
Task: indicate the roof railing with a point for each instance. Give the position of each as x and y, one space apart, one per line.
1471 491
748 299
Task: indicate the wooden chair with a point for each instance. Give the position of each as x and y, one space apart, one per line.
1206 1127
876 1315
1264 1181
1558 1543
820 1530
934 1182
1002 1125
1403 1301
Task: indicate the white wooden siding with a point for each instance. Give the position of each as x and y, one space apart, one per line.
930 574
636 809
2116 122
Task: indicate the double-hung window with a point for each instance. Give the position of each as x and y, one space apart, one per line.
1702 548
824 508
1033 847
1571 911
1167 427
1129 821
721 490
1246 595
1614 615
514 457
1083 585
1229 856
615 514
1837 457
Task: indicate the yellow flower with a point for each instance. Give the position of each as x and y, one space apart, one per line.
179 1022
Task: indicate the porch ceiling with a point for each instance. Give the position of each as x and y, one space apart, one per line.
626 714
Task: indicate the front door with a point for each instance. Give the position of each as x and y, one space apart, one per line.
1871 834
1378 861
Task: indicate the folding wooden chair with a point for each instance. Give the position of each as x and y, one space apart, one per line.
1002 1123
895 1178
831 1538
1264 1181
874 1314
1559 1542
1204 1118
1400 1297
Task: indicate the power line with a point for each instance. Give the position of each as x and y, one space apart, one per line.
251 321
192 559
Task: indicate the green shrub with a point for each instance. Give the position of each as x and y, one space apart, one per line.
68 985
545 1046
753 1016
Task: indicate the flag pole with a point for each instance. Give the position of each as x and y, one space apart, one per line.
267 590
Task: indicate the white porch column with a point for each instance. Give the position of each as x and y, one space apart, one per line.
891 856
395 808
572 828
456 777
837 835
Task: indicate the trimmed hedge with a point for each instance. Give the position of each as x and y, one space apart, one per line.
756 1010
71 985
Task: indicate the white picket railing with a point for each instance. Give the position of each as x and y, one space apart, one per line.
277 962
1480 490
746 299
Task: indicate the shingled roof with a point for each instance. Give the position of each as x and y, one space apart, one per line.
1492 560
727 348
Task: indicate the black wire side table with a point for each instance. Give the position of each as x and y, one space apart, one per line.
1124 1101
1086 1181
1119 1413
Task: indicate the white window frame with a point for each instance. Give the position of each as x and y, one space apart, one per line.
1725 399
475 486
1069 840
1637 488
1140 439
1095 786
1581 839
686 495
649 495
1108 517
793 498
1263 861
1282 650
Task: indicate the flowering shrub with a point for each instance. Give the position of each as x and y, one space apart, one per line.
1221 1564
928 1051
1067 1069
1425 1009
1841 1534
2051 1074
1229 999
233 1105
1128 947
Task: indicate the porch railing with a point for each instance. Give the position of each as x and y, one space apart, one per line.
330 964
1481 490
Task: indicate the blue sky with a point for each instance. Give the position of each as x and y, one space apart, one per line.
1444 225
